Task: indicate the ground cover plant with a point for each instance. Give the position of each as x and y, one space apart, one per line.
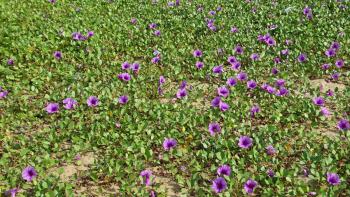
180 98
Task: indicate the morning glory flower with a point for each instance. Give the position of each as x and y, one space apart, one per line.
10 62
181 93
146 176
12 192
219 185
57 55
339 63
125 65
250 185
123 99
239 50
223 91
197 53
343 125
242 76
92 101
69 103
302 58
169 143
214 128
251 84
199 65
223 106
224 170
218 69
52 108
319 101
245 142
333 179
216 101
29 173
231 81
270 150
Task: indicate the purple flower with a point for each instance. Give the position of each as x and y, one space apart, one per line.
146 176
125 65
335 76
29 173
242 76
152 193
274 71
224 170
214 128
277 60
343 125
169 143
77 36
92 101
251 84
52 108
197 53
339 63
152 26
231 59
254 57
219 185
335 46
234 29
285 52
218 69
57 55
216 101
333 179
325 111
302 58
183 85
280 82
236 65
155 60
52 1
312 194
157 32
223 91
330 92
133 20
245 142
212 13
161 80
10 62
270 173
69 103
325 66
270 89
255 109
124 76
181 93
330 52
3 94
270 41
90 34
307 10
12 192
282 92
135 67
223 106
231 81
123 99
199 65
239 50
270 150
250 185
170 4
319 101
